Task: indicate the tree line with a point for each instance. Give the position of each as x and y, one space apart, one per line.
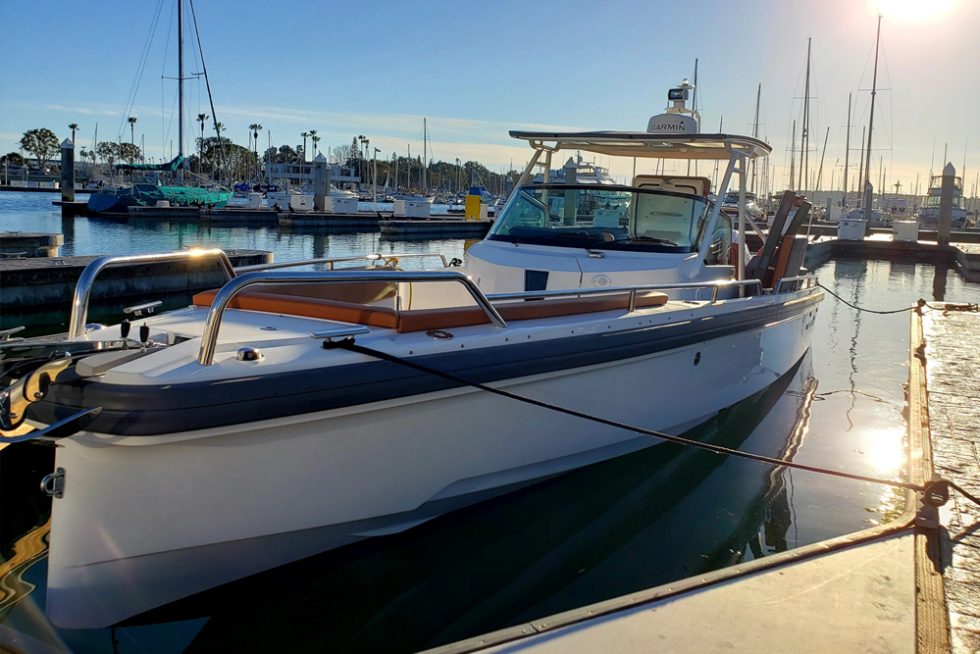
219 157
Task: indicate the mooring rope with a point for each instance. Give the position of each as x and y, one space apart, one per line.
946 308
936 490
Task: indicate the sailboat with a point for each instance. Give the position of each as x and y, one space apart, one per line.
119 199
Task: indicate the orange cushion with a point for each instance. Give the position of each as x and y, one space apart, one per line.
425 319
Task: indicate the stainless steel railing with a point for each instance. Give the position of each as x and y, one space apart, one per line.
83 289
235 286
224 296
331 261
715 286
795 280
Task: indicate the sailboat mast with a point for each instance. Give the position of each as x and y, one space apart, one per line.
755 130
871 120
792 157
180 77
847 149
425 159
861 165
805 132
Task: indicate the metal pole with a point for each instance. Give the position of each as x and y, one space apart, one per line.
871 120
805 132
180 78
847 151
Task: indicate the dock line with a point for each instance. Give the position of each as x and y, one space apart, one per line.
935 491
914 307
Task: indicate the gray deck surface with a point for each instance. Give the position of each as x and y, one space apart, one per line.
953 381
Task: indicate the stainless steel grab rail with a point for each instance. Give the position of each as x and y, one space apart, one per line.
799 278
715 286
330 261
212 323
83 289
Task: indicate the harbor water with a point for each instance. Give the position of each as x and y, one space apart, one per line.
649 518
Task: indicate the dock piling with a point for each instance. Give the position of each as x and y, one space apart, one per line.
320 185
946 205
67 171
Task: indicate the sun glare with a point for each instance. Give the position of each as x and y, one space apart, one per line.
915 10
884 449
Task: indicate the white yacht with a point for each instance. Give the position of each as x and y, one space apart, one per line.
928 215
290 412
584 173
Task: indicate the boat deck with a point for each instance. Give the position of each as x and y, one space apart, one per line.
912 585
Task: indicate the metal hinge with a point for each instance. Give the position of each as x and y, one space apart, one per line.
53 484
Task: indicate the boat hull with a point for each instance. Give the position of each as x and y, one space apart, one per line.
147 520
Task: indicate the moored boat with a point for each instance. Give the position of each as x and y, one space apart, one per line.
928 215
287 412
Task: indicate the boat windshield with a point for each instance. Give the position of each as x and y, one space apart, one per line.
606 217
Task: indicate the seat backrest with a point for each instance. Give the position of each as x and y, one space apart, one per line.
426 319
788 260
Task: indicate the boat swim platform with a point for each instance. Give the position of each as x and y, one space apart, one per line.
911 585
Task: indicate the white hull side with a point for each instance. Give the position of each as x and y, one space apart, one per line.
148 520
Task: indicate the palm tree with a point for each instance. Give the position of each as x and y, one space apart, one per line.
304 135
132 127
201 118
314 138
73 127
255 127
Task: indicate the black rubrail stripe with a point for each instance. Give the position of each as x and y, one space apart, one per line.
142 410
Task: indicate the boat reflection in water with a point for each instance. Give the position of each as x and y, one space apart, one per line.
640 520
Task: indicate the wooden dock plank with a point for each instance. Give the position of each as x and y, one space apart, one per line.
952 355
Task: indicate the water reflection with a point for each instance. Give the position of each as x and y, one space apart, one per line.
939 280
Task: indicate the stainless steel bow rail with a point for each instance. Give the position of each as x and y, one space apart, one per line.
485 302
715 286
83 289
224 296
330 262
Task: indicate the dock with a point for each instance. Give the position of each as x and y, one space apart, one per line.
435 227
362 220
911 585
951 355
30 244
965 257
37 292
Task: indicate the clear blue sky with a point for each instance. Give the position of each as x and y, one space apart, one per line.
478 69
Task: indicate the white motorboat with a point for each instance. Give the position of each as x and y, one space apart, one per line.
584 173
755 211
289 412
